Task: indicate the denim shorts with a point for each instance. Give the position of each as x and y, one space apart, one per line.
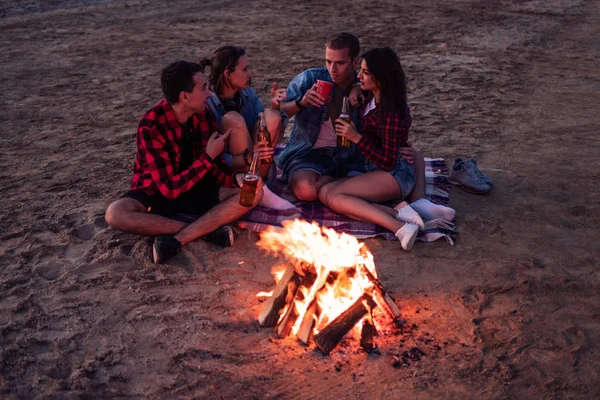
403 173
330 161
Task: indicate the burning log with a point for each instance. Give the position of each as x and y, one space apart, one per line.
290 281
284 327
328 272
308 323
382 298
329 337
289 319
367 334
312 311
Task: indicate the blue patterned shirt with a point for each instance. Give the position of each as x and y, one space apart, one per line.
307 121
249 110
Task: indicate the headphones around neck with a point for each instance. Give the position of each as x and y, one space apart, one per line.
234 104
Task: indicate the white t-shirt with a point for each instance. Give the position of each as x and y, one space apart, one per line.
327 136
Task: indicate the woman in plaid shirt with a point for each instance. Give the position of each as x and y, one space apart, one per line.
385 120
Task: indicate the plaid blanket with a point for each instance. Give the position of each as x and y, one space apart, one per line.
437 190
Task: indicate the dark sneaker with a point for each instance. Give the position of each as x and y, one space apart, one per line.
223 236
481 175
165 247
463 174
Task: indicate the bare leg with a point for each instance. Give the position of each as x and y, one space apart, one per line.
306 184
274 125
418 191
354 197
223 213
238 141
131 216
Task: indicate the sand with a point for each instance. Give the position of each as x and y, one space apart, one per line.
511 311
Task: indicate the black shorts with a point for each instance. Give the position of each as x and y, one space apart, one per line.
196 201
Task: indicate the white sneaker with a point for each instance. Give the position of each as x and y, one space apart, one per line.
407 235
410 216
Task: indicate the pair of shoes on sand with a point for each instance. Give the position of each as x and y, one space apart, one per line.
166 246
467 175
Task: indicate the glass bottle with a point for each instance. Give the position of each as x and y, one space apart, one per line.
264 138
248 191
344 116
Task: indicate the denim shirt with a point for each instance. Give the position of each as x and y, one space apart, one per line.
308 121
251 106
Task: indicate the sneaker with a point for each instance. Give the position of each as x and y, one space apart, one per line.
463 174
481 175
407 235
223 236
409 215
165 247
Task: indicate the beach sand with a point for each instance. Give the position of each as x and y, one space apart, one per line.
511 311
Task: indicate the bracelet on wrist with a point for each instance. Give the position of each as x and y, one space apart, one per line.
299 104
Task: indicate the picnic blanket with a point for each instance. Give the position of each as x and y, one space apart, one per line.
437 190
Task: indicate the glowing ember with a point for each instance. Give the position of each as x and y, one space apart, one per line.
333 281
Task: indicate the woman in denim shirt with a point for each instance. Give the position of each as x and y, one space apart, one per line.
385 121
236 106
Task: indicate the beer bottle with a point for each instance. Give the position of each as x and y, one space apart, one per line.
248 191
344 116
264 138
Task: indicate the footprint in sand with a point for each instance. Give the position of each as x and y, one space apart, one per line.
82 238
50 271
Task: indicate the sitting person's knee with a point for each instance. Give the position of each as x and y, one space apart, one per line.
118 213
273 117
324 194
333 198
112 215
232 119
305 191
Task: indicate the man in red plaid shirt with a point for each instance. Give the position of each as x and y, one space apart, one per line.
179 169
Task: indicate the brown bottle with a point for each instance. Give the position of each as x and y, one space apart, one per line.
344 116
264 138
250 182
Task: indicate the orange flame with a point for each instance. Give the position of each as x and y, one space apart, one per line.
337 260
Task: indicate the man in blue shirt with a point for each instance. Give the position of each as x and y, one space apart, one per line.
311 157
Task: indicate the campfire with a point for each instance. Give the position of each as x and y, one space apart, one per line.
328 287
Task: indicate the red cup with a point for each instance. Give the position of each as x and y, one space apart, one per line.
324 88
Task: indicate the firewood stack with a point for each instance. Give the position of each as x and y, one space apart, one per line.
324 303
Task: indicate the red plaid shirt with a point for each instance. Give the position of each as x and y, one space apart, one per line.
381 143
159 140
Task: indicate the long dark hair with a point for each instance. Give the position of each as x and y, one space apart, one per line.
383 63
223 59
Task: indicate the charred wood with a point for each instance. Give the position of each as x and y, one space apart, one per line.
329 337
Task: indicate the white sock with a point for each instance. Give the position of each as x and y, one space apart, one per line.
271 200
428 210
407 235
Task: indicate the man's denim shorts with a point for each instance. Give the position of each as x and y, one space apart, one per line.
330 161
